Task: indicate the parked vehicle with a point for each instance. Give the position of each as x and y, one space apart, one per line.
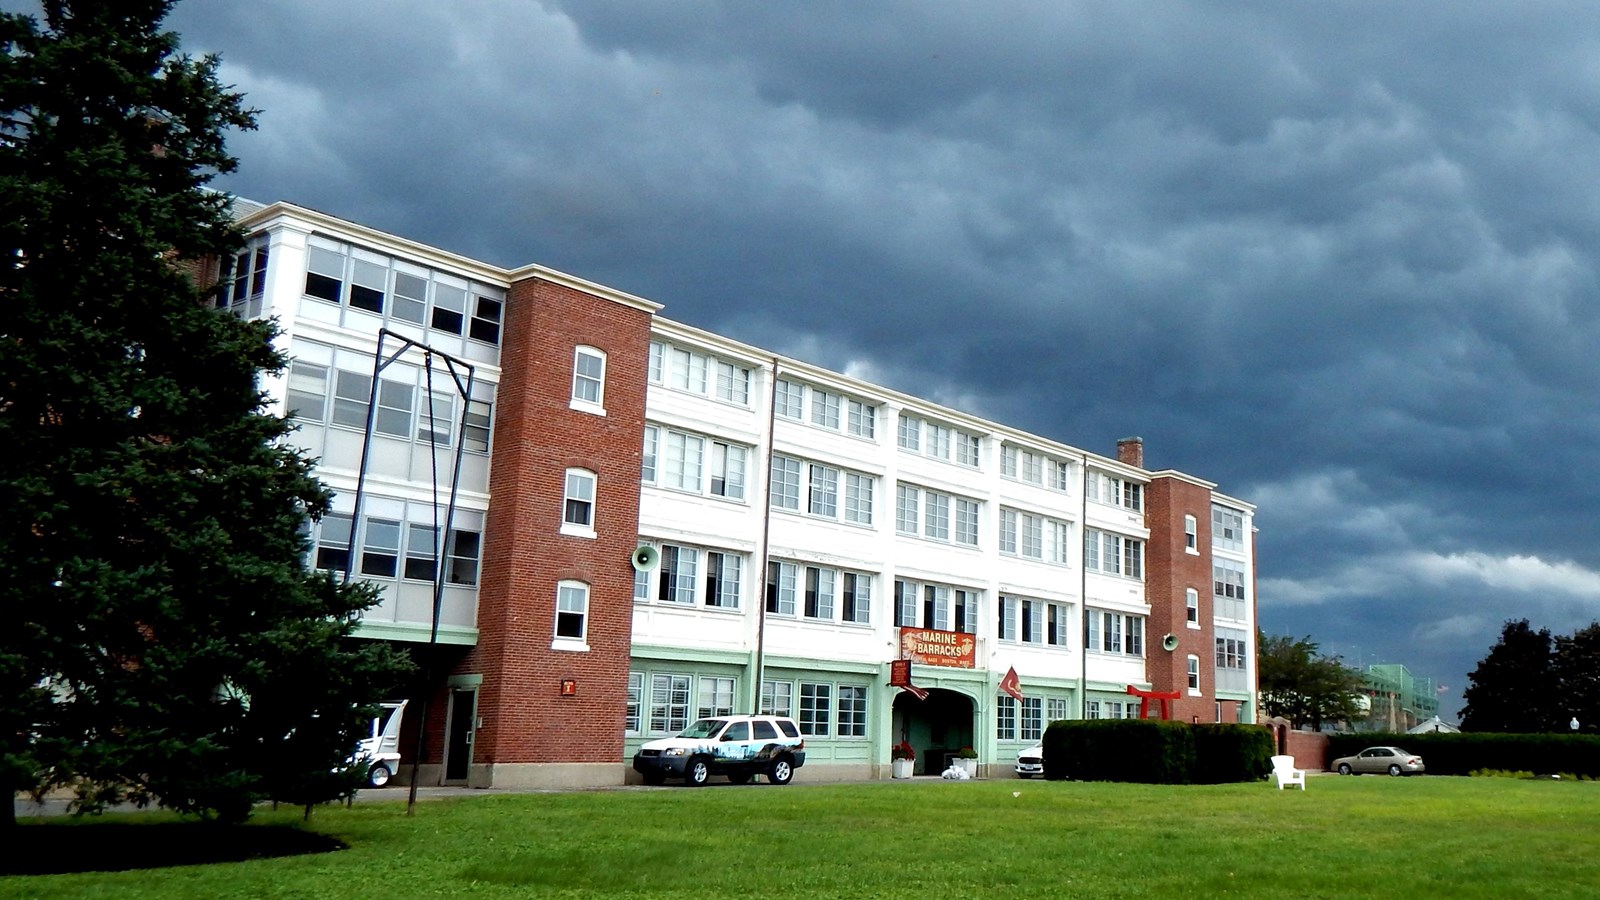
1030 762
381 750
740 747
1379 760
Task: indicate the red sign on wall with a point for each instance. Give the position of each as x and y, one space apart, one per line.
930 647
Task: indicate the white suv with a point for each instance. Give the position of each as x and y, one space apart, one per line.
739 747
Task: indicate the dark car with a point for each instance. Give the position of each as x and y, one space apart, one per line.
1378 761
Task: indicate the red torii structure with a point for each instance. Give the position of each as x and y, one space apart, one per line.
1146 696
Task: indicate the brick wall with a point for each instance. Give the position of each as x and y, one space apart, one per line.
537 437
1170 571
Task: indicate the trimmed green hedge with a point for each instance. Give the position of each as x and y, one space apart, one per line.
1463 754
1156 752
1225 754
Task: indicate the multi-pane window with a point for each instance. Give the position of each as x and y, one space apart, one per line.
1033 621
579 507
1228 589
727 470
333 542
669 703
852 707
243 279
380 548
1056 709
589 377
716 697
1005 708
1034 537
688 576
858 498
1231 659
856 598
823 496
682 460
939 606
400 291
382 538
697 373
863 419
405 408
777 698
934 521
422 551
1110 632
1194 674
1227 529
818 592
1191 606
1191 535
825 409
1113 491
723 575
819 484
789 399
1032 718
678 573
784 492
733 384
572 610
966 521
917 435
1112 554
630 717
678 460
781 587
815 708
307 394
1030 467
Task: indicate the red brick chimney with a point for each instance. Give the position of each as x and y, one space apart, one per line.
1130 451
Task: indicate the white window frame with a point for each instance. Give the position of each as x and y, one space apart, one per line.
586 382
578 496
1191 535
572 605
1194 674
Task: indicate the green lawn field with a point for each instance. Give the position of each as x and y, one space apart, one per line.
1344 837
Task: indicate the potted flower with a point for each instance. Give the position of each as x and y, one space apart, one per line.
902 758
967 759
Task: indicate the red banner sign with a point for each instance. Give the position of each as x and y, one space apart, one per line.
929 647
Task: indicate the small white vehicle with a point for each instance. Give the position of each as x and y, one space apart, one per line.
1030 762
740 747
381 751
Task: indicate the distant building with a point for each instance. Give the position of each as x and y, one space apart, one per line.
653 523
1398 699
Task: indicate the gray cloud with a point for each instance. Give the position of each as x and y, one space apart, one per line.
1339 258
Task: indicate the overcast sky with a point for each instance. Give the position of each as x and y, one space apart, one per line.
1339 258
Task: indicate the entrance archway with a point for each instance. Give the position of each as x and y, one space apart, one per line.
937 728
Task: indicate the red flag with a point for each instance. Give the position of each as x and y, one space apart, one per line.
1011 685
913 690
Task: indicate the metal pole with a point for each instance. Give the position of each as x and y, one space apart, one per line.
766 526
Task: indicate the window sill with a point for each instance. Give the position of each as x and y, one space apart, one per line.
569 645
581 531
1194 692
1194 626
1191 551
585 406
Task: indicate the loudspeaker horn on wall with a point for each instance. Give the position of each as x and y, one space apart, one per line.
646 558
1170 642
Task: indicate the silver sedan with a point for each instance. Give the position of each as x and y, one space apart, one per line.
1379 761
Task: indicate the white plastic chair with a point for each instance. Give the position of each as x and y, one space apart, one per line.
1284 772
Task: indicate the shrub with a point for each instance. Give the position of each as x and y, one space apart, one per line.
1225 754
1133 750
1465 754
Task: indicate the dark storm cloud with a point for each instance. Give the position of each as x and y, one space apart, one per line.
1339 258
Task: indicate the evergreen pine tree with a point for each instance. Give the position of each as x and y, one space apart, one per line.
163 637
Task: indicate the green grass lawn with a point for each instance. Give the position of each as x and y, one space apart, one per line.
1344 837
